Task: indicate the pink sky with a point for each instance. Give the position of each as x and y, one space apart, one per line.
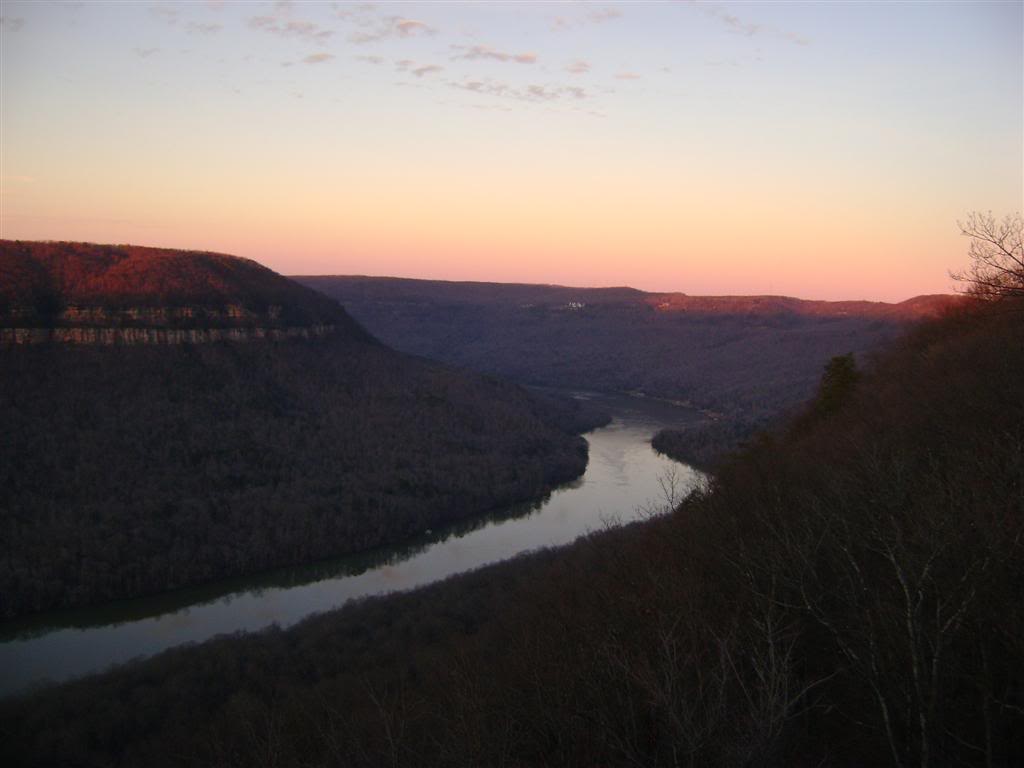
817 150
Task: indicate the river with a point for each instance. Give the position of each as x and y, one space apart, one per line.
624 479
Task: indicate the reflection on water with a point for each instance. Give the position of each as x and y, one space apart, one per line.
621 480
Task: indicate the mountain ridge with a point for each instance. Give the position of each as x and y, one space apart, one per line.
747 358
65 285
473 292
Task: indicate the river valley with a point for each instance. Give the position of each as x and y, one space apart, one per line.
625 478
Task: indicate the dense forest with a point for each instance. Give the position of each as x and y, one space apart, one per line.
126 470
846 592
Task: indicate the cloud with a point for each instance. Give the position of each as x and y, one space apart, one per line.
794 38
596 16
389 27
735 23
305 30
370 59
428 69
145 53
318 58
479 52
196 28
410 27
533 93
408 65
578 67
627 76
13 23
747 28
167 13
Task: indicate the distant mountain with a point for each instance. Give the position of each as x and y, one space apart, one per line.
746 357
361 289
169 418
917 308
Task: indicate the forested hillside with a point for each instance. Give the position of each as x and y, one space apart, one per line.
746 357
846 593
131 469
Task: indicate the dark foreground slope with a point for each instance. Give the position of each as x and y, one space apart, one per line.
847 594
133 460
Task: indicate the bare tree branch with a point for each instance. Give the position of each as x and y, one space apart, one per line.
996 270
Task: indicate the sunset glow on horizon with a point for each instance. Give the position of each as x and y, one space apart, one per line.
820 150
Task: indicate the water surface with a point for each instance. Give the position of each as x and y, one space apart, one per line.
624 478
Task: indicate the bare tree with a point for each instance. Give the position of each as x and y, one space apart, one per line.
997 256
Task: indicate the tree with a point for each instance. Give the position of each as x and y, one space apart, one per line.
837 383
997 256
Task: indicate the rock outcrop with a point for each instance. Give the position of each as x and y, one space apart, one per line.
134 336
81 293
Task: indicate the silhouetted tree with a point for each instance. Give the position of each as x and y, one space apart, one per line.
997 256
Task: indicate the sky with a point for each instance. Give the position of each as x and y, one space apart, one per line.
815 149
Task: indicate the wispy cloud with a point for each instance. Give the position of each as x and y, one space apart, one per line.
13 23
145 53
578 67
534 93
410 66
197 28
410 27
734 23
166 12
746 28
318 58
595 16
627 76
371 59
485 52
794 38
305 30
390 27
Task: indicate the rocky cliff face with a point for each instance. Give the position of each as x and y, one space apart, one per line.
135 336
107 326
83 293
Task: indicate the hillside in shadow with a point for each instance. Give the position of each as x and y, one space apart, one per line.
129 466
744 359
845 593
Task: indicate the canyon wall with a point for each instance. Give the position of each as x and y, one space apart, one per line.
108 326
